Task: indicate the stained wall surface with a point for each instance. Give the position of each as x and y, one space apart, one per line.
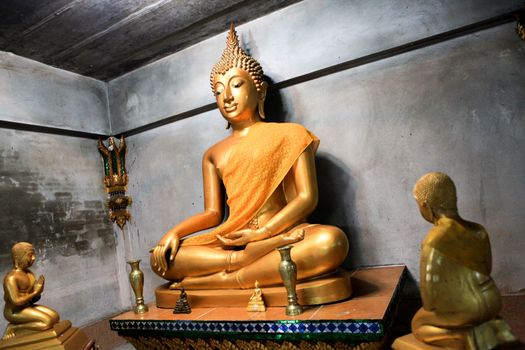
37 94
456 107
51 191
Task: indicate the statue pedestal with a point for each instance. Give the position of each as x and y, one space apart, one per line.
61 337
322 290
361 322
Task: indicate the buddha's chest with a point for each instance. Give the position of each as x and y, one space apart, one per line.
25 282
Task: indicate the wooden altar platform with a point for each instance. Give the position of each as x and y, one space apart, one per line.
361 322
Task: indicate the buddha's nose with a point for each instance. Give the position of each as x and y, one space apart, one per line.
228 97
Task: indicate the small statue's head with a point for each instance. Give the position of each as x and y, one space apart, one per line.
23 255
435 193
237 83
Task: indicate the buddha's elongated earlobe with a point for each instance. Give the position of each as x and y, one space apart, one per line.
261 110
262 98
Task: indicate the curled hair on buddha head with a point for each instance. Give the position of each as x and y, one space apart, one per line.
19 250
437 190
235 57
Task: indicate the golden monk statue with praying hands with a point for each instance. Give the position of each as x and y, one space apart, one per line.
21 291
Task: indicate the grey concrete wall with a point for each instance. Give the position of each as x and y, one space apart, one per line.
52 196
165 181
456 107
37 94
51 189
298 39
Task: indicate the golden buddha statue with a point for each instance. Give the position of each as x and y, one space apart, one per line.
268 172
21 291
461 303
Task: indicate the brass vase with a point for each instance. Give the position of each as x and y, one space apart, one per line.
136 279
288 271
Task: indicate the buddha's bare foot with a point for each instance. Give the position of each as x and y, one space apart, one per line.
9 332
293 235
176 285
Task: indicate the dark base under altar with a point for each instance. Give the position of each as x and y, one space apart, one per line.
361 322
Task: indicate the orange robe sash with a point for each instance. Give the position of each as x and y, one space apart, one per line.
257 165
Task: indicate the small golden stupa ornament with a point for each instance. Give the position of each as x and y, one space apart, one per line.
256 303
116 180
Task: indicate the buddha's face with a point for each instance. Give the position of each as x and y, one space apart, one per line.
237 96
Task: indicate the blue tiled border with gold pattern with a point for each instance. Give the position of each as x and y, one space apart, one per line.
373 329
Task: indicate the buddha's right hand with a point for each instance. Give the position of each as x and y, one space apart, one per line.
170 242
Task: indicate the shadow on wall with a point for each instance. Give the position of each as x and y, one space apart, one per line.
337 203
273 106
336 186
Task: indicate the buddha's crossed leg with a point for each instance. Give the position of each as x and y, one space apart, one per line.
322 250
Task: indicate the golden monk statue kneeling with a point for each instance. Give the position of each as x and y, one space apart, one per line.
268 171
461 303
33 326
21 291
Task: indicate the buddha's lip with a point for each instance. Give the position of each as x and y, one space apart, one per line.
230 108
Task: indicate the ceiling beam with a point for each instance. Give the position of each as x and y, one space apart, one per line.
73 50
44 21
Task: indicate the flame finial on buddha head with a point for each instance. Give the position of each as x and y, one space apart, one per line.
235 56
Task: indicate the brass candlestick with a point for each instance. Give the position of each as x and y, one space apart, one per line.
288 271
136 279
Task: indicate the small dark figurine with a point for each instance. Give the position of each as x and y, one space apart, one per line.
182 306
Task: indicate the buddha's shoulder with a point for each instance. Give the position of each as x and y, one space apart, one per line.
213 150
14 275
220 144
444 228
219 150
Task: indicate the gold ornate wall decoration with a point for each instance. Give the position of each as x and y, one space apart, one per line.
520 25
116 179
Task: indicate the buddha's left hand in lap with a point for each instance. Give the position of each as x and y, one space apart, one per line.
243 237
